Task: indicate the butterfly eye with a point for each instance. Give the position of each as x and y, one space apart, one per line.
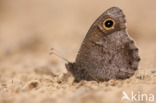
108 24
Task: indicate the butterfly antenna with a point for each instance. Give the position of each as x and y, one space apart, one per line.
54 52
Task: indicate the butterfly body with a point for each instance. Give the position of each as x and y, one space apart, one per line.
107 51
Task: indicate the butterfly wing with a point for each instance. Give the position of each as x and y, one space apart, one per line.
113 57
106 53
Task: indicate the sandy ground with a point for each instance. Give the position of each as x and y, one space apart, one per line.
28 29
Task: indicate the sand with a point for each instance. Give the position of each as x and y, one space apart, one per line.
28 29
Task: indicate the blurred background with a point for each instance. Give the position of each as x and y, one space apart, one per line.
29 28
63 24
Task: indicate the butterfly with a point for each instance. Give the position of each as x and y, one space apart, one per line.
107 51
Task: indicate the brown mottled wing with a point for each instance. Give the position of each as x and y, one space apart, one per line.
114 57
106 55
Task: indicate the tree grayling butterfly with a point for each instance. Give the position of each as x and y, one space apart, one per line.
107 51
